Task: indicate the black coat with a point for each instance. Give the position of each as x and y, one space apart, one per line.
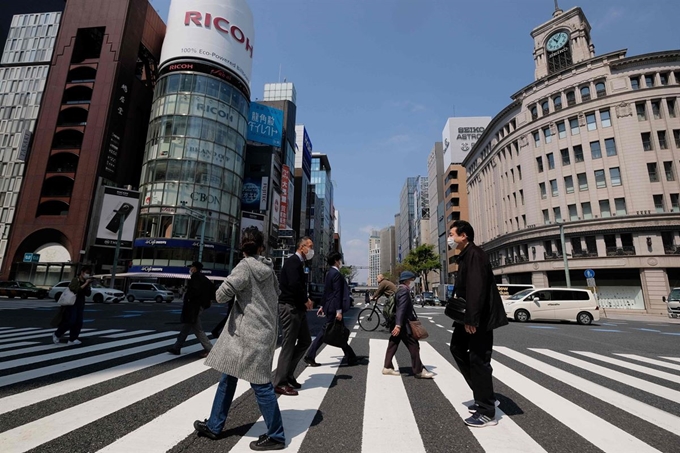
404 308
293 283
200 291
475 283
335 294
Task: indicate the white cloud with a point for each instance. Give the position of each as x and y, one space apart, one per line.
613 15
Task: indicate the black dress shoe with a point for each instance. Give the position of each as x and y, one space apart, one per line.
285 390
311 362
295 384
173 351
202 428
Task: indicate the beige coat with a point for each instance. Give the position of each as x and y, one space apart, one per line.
245 349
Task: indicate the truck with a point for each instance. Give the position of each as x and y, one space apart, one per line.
673 303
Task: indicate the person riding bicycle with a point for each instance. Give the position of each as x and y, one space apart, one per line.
385 288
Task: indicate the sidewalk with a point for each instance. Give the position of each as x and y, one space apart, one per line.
642 317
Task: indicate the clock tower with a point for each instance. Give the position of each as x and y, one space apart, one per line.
561 42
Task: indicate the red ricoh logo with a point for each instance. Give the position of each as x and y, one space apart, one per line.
221 24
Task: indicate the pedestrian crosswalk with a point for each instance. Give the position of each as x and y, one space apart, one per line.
551 400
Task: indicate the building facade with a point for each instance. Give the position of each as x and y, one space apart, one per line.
374 249
438 234
407 216
588 152
388 251
303 175
456 207
421 221
321 215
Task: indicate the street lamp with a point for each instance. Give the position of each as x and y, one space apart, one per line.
564 256
200 216
121 221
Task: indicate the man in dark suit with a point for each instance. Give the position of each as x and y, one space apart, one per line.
336 301
293 305
200 293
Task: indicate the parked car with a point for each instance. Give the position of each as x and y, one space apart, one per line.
507 290
428 298
100 294
149 291
24 290
553 304
673 303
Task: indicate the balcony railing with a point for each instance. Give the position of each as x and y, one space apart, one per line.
626 250
672 250
552 256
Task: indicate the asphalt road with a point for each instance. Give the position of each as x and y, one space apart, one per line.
562 387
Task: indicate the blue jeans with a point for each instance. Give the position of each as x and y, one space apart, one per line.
266 400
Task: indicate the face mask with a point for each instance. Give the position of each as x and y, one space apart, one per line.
310 254
86 276
451 242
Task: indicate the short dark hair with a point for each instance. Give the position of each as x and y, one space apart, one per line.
333 257
464 227
252 240
301 241
86 269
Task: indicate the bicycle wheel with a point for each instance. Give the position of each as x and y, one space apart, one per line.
369 319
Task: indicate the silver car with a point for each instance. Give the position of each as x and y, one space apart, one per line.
100 294
149 291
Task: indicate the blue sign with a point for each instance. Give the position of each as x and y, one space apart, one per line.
589 273
251 194
31 257
306 154
265 125
178 243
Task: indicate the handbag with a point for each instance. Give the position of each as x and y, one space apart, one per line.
417 329
67 298
336 334
455 309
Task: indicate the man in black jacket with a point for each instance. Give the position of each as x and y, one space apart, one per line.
200 293
472 342
293 305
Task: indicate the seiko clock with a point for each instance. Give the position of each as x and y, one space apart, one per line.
557 41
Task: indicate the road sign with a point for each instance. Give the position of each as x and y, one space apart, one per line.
31 257
590 282
589 273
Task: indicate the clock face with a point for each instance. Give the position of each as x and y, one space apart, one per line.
557 41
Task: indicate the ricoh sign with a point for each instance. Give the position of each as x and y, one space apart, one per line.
219 31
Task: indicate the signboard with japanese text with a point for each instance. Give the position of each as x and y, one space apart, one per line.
276 209
285 184
265 125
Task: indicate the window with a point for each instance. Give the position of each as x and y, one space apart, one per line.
537 139
610 146
551 161
676 137
656 109
605 210
573 214
545 107
661 135
546 217
670 103
600 89
539 164
595 150
561 130
521 196
582 182
675 202
615 176
668 170
569 184
571 98
647 144
547 134
557 102
663 78
590 121
558 214
578 153
553 188
534 112
519 172
635 83
541 187
586 210
641 111
620 206
605 118
649 80
565 156
585 93
651 171
658 203
600 180
573 124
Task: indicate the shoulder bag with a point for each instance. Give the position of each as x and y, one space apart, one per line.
417 329
455 309
67 298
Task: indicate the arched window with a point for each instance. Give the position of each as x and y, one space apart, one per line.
57 186
557 102
534 112
62 163
78 95
571 98
66 139
600 89
73 116
52 208
585 93
545 107
81 74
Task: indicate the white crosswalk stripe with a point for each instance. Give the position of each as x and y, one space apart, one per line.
390 421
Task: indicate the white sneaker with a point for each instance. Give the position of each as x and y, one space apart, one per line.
55 338
390 372
74 342
424 375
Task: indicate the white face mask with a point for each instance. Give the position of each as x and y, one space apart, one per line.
86 276
310 254
451 242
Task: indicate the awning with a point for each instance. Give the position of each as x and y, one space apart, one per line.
158 275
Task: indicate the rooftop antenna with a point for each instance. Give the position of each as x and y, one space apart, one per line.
279 72
557 11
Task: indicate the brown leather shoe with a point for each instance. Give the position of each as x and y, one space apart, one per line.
285 390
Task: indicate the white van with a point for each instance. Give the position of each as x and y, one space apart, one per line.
149 291
553 304
510 289
673 303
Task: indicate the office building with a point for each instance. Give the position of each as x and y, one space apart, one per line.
373 258
407 215
321 214
388 251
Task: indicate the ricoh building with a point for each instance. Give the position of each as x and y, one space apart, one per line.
588 152
193 166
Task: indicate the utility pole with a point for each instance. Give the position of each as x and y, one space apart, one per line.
564 256
114 268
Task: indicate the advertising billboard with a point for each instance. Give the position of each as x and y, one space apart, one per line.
252 220
254 195
285 185
218 31
265 125
117 203
276 210
459 136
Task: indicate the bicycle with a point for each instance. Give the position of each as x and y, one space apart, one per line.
369 318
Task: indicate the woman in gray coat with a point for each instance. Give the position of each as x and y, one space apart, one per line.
245 349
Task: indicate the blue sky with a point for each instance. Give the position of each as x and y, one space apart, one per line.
377 79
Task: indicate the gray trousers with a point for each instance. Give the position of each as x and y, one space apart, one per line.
197 328
296 340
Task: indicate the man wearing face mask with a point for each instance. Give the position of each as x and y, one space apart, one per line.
293 305
72 315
